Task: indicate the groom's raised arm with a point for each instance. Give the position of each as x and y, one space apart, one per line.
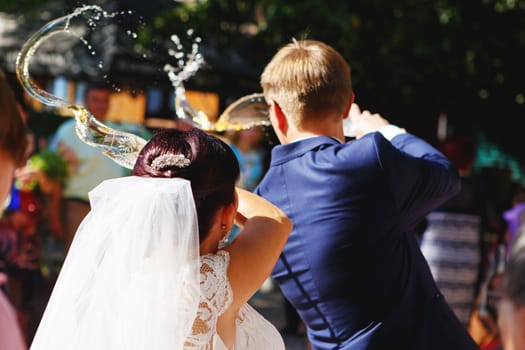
421 177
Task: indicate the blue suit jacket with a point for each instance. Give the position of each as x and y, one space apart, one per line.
352 267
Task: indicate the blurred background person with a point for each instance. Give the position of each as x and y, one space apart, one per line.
251 155
487 326
87 165
21 220
247 147
511 310
452 242
34 267
13 148
515 216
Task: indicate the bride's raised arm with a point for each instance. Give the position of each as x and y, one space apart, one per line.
265 230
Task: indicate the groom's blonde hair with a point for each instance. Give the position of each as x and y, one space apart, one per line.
308 78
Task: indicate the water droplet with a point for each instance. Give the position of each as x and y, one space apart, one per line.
483 93
175 39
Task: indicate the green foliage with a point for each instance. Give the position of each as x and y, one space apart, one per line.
410 59
20 6
221 21
50 163
401 43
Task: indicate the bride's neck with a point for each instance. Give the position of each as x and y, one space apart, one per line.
208 247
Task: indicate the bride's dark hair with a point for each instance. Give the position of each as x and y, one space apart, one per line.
212 170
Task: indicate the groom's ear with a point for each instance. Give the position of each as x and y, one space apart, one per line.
280 118
347 111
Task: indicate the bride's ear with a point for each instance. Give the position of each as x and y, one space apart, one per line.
228 214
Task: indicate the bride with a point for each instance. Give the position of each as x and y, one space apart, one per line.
146 269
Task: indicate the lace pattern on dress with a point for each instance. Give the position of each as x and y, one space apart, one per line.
216 297
253 331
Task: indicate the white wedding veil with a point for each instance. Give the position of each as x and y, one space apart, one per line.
131 277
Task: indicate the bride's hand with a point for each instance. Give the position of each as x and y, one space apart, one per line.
365 122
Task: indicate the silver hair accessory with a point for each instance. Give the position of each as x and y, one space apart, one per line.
167 160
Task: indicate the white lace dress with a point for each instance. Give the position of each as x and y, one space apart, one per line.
253 331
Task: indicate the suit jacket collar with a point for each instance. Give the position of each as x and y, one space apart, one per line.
284 153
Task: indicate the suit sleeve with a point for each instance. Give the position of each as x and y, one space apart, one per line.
419 176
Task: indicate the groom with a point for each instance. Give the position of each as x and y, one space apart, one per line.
352 267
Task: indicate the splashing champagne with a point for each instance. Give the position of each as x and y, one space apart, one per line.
187 66
122 147
246 112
